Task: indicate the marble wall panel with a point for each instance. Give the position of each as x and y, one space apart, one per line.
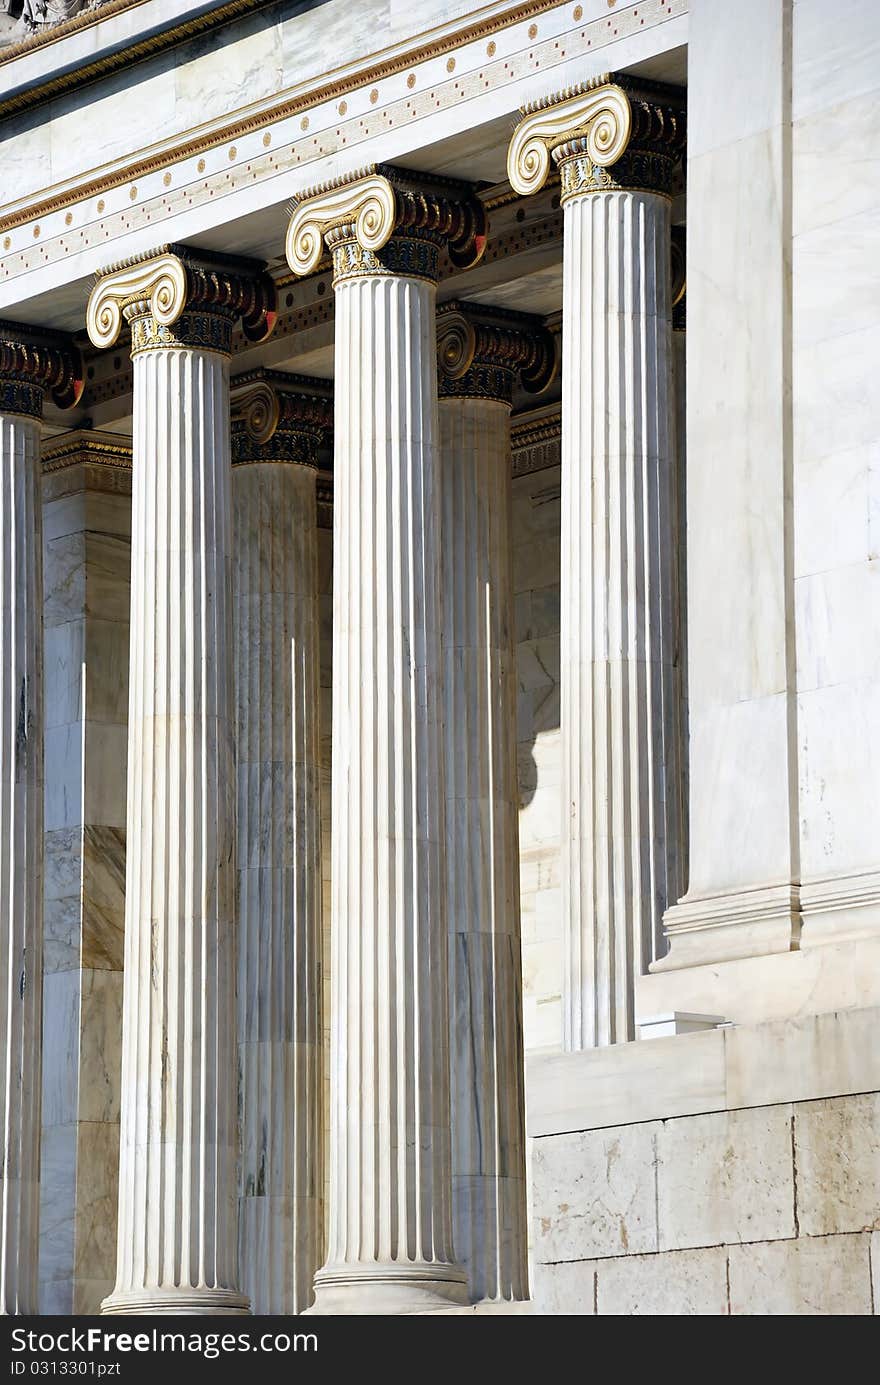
828 1275
595 1193
683 1283
725 1177
837 1148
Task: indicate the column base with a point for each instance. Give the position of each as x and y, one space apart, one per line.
707 929
183 1302
387 1290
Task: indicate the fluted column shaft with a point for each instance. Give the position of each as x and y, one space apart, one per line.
482 850
616 142
619 724
21 857
31 363
177 1235
279 856
390 1233
176 1246
481 352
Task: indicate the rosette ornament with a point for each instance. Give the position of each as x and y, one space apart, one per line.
611 132
384 220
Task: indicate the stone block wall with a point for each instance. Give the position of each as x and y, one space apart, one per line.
756 1209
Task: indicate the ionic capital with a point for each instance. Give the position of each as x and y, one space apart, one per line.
481 351
278 417
33 364
386 220
611 133
199 295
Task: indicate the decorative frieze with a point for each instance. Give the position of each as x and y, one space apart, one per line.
613 132
535 441
384 220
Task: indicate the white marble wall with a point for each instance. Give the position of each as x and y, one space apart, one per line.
726 1173
87 560
743 770
835 225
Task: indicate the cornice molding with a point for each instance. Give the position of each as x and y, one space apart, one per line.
138 189
85 445
39 93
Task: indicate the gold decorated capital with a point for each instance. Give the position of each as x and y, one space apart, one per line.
385 220
612 133
482 352
177 296
279 417
34 363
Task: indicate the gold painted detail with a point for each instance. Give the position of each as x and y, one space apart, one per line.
610 133
279 417
85 446
201 295
378 207
482 350
34 363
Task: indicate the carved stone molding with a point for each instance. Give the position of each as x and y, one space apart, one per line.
384 220
34 363
610 133
481 351
200 295
279 417
536 441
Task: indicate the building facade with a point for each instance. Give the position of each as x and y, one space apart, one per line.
440 694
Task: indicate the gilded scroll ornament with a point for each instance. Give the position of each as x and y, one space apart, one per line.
198 294
385 220
614 133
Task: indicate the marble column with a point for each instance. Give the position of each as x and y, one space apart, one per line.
279 425
480 353
86 602
177 1240
615 144
31 364
390 1232
680 532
